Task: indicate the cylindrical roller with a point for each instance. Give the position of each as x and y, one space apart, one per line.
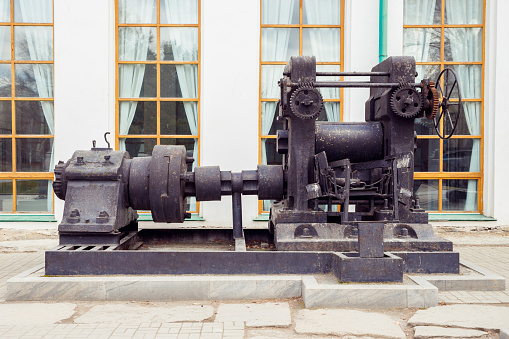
270 182
358 142
166 185
207 181
139 183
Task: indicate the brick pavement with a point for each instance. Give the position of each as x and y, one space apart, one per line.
495 259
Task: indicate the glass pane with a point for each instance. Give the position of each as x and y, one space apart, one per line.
422 43
270 123
5 80
33 43
320 12
5 117
33 11
34 117
5 155
5 42
418 12
271 74
32 196
469 122
470 80
459 195
6 196
34 154
137 43
271 156
179 11
33 80
427 155
138 117
427 192
430 72
279 44
137 12
179 118
463 44
461 155
461 12
137 81
323 43
179 81
424 126
5 10
283 12
329 93
138 147
179 43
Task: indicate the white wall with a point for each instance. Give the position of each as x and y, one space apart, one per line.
496 112
84 47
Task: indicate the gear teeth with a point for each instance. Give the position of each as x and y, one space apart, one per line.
59 184
432 111
295 108
405 90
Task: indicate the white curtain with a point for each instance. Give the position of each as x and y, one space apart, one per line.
184 43
324 44
5 31
275 48
40 47
133 46
466 45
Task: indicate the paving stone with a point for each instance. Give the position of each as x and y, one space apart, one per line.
34 313
136 314
346 322
255 315
467 316
449 332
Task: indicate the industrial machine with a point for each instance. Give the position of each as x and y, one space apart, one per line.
343 196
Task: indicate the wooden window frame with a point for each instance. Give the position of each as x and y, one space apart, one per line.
441 175
158 99
340 63
14 175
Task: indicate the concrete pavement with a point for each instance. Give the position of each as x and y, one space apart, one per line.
462 314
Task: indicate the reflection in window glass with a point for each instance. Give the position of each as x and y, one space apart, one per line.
34 80
34 154
146 89
174 118
323 43
33 11
459 195
137 11
5 155
427 192
279 44
179 81
6 196
5 117
32 196
5 42
179 12
137 43
427 155
138 147
179 43
34 117
33 43
283 12
321 12
144 120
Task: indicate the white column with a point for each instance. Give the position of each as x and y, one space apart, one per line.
496 112
84 50
230 54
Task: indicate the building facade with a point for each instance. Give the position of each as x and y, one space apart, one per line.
203 73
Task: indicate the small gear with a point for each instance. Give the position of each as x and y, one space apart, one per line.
60 184
406 101
433 101
306 102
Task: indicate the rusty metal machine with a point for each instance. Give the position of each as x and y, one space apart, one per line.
343 196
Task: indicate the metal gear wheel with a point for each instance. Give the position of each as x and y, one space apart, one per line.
60 184
406 101
306 102
433 101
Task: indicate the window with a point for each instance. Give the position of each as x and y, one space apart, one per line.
440 34
289 28
158 59
26 105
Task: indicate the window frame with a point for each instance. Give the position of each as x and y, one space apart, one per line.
442 175
14 175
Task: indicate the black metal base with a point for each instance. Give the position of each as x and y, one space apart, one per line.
87 259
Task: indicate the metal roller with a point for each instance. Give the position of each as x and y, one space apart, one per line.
362 141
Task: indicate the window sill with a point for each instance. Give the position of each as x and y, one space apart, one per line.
27 218
431 216
262 217
148 217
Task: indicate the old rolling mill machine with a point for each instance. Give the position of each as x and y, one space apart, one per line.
378 233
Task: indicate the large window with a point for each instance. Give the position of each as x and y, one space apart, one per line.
440 34
290 28
26 105
158 79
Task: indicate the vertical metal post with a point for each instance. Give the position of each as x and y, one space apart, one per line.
237 215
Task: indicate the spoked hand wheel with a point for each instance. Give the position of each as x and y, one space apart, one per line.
450 81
